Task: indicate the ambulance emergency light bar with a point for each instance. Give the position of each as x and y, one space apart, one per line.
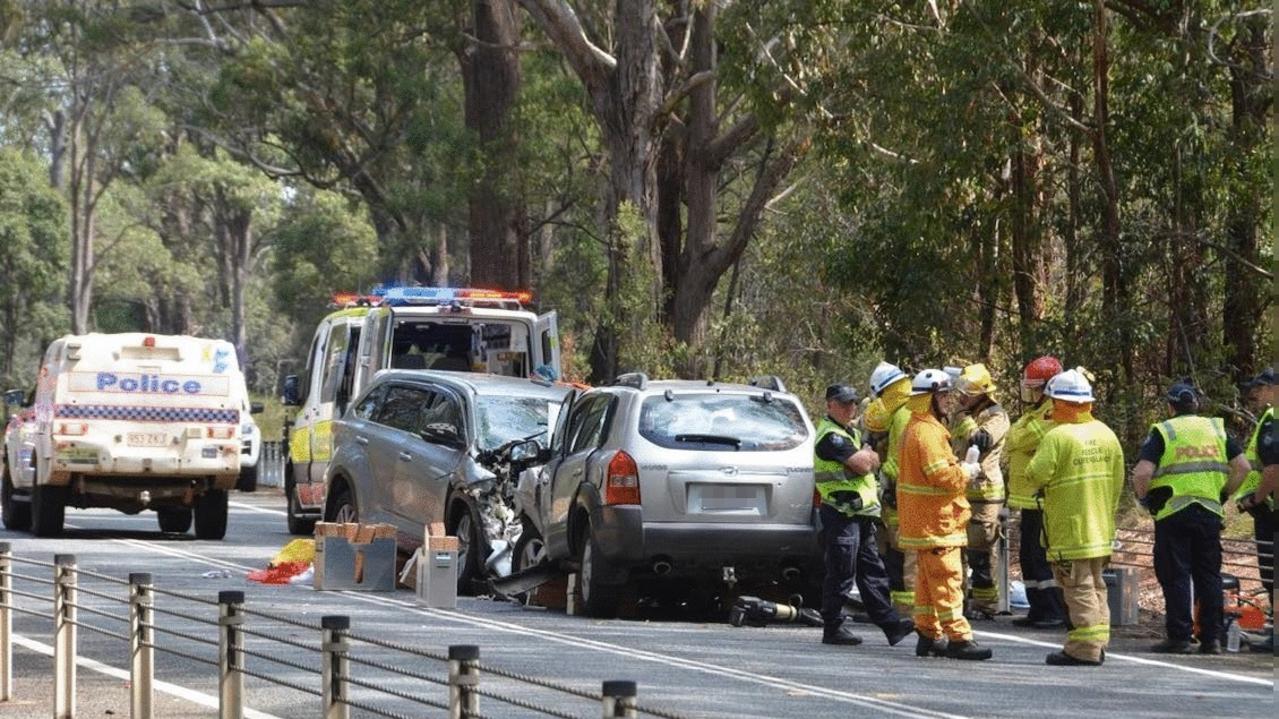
394 296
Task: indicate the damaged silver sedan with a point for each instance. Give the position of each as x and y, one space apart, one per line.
421 447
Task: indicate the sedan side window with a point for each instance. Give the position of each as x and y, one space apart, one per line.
367 406
443 410
591 432
402 406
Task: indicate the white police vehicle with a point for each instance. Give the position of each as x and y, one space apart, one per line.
128 421
435 328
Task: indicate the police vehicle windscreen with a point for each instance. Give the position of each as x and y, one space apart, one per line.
503 418
722 422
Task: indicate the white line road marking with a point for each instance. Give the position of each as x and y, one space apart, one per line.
191 695
1136 660
259 510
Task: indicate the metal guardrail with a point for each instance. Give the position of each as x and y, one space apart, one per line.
339 687
271 464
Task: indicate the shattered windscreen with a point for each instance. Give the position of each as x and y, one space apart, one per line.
503 418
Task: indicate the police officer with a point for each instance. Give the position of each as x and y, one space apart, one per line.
1183 478
844 473
1261 395
1267 492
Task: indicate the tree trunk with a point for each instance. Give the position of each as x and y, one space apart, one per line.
1075 281
491 78
1245 291
440 257
57 147
1114 278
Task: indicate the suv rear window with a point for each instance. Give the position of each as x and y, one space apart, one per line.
723 422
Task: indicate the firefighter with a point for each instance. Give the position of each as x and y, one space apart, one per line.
1047 608
885 421
934 512
1078 474
982 423
1188 466
844 473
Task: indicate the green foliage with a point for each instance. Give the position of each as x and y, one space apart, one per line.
33 259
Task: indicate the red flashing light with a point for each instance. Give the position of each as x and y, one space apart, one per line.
148 342
523 296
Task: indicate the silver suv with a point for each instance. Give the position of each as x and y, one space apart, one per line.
418 447
675 484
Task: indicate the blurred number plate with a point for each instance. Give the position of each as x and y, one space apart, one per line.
148 439
733 496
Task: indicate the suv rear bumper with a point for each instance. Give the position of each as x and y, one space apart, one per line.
625 538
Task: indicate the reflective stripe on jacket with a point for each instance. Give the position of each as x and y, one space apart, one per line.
1253 480
930 488
989 486
832 476
1023 440
1194 464
1079 467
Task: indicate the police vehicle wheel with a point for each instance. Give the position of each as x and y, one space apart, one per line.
210 514
248 481
48 510
598 599
15 512
175 520
297 524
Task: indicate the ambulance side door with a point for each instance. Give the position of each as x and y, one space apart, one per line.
325 384
547 342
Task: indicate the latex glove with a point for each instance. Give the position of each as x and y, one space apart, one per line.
972 469
974 453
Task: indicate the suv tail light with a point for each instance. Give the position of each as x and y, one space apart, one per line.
621 485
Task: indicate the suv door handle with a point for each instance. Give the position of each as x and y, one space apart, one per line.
577 472
406 457
361 440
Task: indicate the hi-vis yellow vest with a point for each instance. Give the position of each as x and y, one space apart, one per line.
1253 480
1194 463
832 476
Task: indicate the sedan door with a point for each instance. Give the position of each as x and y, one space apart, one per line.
585 431
427 461
391 437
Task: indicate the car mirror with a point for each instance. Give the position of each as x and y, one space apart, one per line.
443 434
290 396
15 398
526 452
256 408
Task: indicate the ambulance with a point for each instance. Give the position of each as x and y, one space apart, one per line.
128 421
437 328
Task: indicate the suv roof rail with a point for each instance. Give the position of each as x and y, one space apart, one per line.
768 381
638 380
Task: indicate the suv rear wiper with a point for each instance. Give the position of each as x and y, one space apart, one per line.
733 442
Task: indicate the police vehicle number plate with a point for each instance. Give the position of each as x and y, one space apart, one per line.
148 439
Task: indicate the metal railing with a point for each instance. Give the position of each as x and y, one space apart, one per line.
374 689
271 464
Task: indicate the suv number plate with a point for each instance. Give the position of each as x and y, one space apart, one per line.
148 439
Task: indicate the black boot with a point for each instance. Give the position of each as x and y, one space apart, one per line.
1174 646
841 636
929 647
967 650
899 631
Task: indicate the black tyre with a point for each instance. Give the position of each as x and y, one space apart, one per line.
248 481
48 510
530 548
174 520
470 548
211 514
15 511
297 524
342 509
598 598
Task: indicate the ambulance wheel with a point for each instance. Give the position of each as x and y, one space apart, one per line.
48 510
210 514
297 523
174 520
16 513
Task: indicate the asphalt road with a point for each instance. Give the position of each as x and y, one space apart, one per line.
691 668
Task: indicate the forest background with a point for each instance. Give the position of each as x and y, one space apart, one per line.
701 188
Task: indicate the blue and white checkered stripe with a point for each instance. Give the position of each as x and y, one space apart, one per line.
148 414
